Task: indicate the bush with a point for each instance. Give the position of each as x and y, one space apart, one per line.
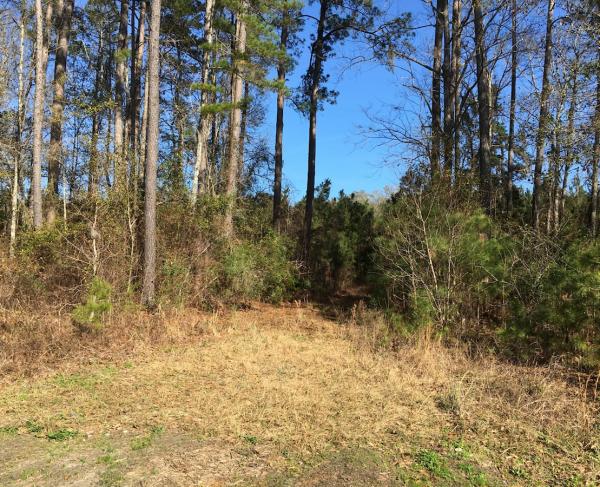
89 316
259 270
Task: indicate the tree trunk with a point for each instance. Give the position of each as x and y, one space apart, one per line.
14 196
237 83
448 77
137 45
316 74
199 178
456 78
120 96
595 161
512 109
65 12
281 74
483 105
38 117
152 140
543 121
441 10
570 153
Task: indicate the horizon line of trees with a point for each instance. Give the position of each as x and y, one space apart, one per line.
147 103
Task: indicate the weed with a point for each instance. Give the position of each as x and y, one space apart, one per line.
434 463
253 440
61 434
33 426
9 430
145 441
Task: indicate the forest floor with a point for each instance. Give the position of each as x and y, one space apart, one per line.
289 396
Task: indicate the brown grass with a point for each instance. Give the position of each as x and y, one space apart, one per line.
287 380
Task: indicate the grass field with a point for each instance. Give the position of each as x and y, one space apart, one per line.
285 396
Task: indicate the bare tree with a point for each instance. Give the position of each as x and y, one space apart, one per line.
14 197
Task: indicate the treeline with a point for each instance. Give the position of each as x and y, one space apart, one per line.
134 167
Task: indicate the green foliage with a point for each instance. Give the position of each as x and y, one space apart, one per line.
259 270
61 435
89 315
434 463
341 254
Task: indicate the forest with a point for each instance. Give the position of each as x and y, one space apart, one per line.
147 223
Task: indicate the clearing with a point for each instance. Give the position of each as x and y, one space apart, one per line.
287 396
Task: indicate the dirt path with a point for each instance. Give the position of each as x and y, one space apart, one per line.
285 397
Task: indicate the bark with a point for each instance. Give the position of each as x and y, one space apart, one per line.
281 74
456 78
38 117
436 88
137 50
543 121
233 163
483 106
570 153
65 13
203 130
512 109
316 74
448 77
14 196
120 96
153 74
595 162
96 121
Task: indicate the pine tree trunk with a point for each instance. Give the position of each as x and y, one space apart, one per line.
281 74
483 105
152 140
38 118
233 164
570 152
595 161
512 110
199 179
540 145
137 48
456 79
120 97
436 88
316 75
448 77
65 12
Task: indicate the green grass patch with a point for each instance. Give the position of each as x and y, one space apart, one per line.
434 463
145 441
62 435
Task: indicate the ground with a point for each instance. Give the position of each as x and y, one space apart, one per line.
289 396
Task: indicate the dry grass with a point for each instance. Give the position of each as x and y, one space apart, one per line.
273 393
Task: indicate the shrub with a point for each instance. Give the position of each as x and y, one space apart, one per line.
89 316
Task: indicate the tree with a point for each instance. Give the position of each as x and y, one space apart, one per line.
512 108
38 118
65 12
483 107
151 160
542 130
120 96
14 197
233 157
203 130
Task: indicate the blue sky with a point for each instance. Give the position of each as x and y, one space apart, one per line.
343 154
